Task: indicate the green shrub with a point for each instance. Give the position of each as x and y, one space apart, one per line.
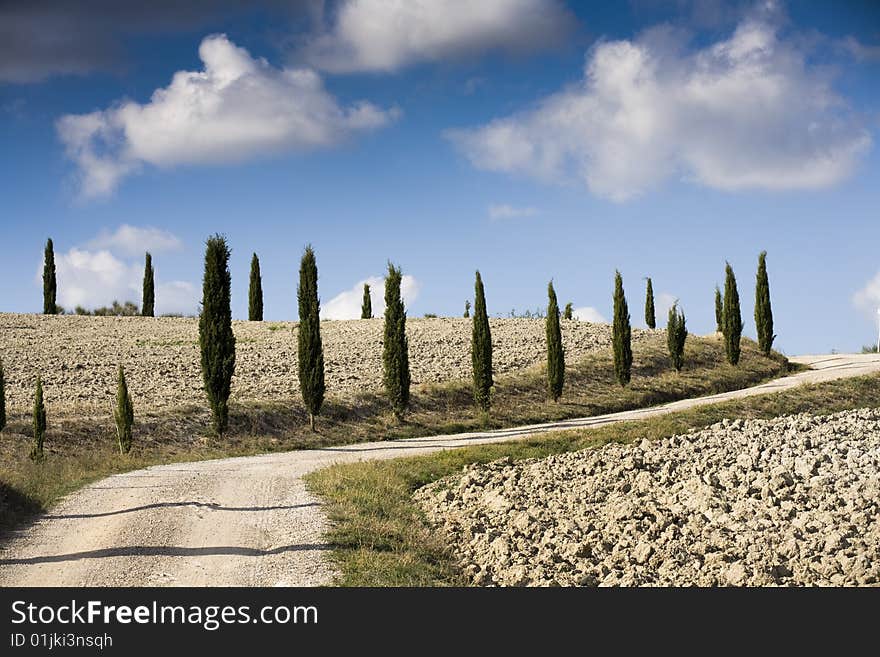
650 317
310 349
148 303
555 351
39 423
123 414
49 282
395 351
732 319
763 311
366 304
481 348
676 334
216 340
621 337
255 292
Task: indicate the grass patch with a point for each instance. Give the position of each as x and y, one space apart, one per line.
380 535
80 450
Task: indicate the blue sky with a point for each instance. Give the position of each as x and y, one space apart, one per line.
532 139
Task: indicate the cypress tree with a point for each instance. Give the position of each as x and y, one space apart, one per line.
124 413
311 351
39 423
481 348
676 334
568 312
367 304
763 312
255 292
731 324
149 298
395 353
49 283
555 351
467 309
719 311
650 318
216 339
2 396
621 334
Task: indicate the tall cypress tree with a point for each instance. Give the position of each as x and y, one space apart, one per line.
650 318
39 423
50 307
123 414
555 351
311 351
731 324
719 311
676 334
216 339
367 304
395 353
255 292
2 396
763 312
621 334
148 305
481 348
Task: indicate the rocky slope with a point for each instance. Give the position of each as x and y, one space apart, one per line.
77 356
791 501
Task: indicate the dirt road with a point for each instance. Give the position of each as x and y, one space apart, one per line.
250 521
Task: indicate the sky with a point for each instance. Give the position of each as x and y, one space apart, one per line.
530 139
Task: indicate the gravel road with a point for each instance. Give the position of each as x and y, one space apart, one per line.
248 521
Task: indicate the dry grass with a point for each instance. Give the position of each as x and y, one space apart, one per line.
382 539
83 449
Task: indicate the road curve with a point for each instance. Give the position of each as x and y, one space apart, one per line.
250 521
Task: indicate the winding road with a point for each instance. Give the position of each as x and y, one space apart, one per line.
250 521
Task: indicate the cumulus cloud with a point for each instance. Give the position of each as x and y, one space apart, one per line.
589 314
504 211
383 35
347 305
110 268
92 279
747 112
662 303
132 240
235 109
862 52
867 299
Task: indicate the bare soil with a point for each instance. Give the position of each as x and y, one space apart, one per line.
77 357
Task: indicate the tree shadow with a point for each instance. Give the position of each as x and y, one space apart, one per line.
165 505
165 551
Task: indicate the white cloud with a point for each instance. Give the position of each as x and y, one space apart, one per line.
386 35
177 297
662 303
132 240
860 51
235 109
94 276
589 314
748 112
504 211
867 299
347 305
